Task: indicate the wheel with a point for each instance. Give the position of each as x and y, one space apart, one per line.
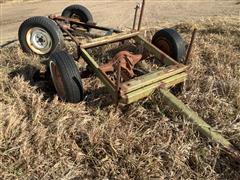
41 36
170 42
66 77
79 12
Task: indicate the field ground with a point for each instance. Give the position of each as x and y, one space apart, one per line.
115 14
43 138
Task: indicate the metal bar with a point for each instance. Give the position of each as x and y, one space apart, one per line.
190 46
118 81
68 33
149 89
73 38
151 78
141 15
135 16
109 39
101 75
86 25
155 51
200 124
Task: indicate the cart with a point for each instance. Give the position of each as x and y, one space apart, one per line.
44 36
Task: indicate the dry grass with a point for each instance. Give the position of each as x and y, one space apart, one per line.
43 138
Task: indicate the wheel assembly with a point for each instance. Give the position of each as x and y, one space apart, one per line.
78 12
66 77
170 42
41 36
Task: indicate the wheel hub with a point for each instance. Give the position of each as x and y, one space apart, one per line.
164 45
39 40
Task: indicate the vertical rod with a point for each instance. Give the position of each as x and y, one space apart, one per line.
190 46
118 81
135 16
141 15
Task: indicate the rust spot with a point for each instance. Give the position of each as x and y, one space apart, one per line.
162 85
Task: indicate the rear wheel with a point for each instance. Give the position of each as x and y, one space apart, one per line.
170 42
41 36
66 77
78 12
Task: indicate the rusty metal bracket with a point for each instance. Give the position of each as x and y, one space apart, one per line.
85 25
127 61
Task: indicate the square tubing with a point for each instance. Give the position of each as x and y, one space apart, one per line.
101 75
86 25
152 78
109 39
155 51
200 125
146 91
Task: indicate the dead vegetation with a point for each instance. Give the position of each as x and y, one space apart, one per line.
43 138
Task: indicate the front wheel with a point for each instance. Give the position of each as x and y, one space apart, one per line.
66 77
41 36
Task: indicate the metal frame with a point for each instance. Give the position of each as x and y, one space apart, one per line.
142 86
136 88
139 87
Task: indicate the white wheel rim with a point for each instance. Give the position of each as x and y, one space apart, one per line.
39 40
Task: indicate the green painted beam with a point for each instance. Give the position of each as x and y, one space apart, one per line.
109 39
149 89
101 75
199 123
151 78
155 51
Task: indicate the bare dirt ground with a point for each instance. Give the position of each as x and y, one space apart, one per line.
115 13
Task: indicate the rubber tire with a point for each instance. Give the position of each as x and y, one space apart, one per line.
175 41
70 76
83 13
48 25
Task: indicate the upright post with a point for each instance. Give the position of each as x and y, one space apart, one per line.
135 16
141 15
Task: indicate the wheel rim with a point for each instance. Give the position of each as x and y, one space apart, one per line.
39 40
57 80
163 45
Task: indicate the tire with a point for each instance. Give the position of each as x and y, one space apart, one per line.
41 36
170 42
80 12
66 77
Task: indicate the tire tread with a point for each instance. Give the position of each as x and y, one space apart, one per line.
68 71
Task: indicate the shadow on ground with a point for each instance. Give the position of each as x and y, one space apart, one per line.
96 98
